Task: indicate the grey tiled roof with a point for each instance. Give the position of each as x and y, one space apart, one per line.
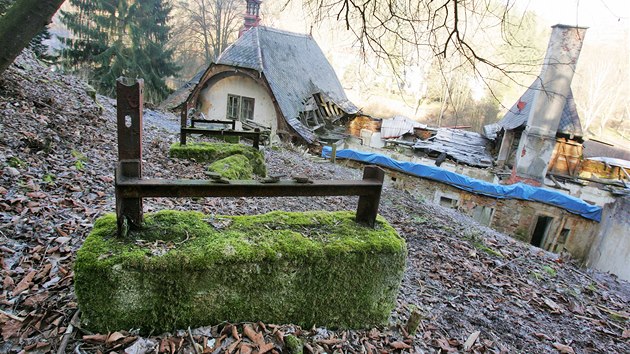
295 68
515 118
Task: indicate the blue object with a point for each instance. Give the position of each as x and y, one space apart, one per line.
514 191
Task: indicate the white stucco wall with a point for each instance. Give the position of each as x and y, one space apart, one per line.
213 100
611 250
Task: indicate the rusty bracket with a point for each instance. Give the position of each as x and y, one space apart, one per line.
131 188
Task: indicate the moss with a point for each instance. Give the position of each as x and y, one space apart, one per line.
293 345
550 271
233 167
189 269
211 152
482 247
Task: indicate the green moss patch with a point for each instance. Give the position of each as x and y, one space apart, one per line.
211 152
233 167
190 269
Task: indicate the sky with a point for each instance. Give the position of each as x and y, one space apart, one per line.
603 17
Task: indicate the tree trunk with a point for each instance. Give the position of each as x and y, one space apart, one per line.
20 24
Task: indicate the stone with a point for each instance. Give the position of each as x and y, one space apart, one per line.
310 269
12 171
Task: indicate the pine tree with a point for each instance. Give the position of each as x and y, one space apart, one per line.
114 38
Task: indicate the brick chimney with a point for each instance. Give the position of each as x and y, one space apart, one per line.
252 16
539 137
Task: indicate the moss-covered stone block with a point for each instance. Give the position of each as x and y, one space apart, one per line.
211 152
233 167
190 269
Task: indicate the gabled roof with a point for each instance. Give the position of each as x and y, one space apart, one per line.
295 68
516 117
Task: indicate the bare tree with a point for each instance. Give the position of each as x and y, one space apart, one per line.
23 20
600 95
204 28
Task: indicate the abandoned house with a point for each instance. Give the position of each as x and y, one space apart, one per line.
274 80
566 203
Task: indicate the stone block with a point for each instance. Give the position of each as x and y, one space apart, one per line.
190 269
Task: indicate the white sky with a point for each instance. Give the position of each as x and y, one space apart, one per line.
603 17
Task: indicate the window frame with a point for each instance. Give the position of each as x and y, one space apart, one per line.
240 107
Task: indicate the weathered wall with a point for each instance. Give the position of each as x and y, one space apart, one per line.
213 100
566 232
611 249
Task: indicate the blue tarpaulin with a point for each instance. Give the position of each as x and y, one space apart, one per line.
512 191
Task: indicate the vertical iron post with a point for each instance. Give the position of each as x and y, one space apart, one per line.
333 153
367 209
257 138
129 127
183 122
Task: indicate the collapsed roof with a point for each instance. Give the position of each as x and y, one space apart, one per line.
297 72
517 116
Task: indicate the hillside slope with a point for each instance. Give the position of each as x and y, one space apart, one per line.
475 288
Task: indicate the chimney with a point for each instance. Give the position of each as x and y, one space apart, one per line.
251 17
539 137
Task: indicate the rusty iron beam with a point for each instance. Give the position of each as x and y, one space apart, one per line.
176 188
368 189
129 130
255 135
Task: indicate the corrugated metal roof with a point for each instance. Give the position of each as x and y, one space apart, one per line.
398 126
517 115
460 145
295 68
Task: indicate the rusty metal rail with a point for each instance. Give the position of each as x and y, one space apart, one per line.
255 135
231 123
131 188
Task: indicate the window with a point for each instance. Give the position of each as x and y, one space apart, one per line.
448 202
239 107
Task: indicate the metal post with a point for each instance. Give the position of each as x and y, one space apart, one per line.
333 153
257 138
183 122
367 209
129 126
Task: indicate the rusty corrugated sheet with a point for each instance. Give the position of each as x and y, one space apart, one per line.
364 122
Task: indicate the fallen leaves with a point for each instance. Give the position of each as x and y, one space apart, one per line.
24 284
564 349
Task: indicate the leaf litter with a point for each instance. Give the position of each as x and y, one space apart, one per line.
476 290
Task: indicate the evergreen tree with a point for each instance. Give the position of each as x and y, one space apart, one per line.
114 38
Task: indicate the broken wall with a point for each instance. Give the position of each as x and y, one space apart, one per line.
565 232
611 249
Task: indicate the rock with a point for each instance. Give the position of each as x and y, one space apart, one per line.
12 171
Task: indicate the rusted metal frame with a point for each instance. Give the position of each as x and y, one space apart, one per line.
130 188
368 189
231 123
255 135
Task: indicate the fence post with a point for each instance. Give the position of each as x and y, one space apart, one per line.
367 209
333 153
183 122
129 127
257 138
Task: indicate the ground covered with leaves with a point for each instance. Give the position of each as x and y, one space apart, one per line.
471 288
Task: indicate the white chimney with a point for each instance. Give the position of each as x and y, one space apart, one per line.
539 137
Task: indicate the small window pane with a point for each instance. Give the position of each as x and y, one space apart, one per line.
233 107
247 108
